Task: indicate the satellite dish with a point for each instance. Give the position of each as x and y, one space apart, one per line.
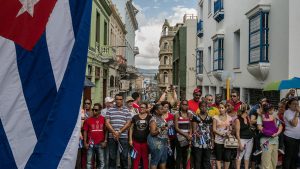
228 75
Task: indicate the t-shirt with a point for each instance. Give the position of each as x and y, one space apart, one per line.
140 128
290 131
171 126
118 118
160 122
263 139
136 107
236 105
95 127
193 105
203 137
103 112
222 127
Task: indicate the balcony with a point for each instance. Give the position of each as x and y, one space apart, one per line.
165 51
106 53
259 70
165 66
136 51
200 28
218 10
131 69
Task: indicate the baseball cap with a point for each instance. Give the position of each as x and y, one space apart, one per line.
129 98
109 99
197 90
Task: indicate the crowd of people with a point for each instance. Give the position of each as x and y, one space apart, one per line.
180 134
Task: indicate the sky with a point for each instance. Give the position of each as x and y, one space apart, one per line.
151 16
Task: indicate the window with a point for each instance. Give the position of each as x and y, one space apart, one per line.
165 31
105 39
209 59
199 62
166 78
166 61
258 38
218 54
90 70
237 49
209 6
111 81
98 27
166 45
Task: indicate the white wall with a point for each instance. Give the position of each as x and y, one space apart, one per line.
191 25
294 38
282 27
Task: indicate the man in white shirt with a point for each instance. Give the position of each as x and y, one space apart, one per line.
109 102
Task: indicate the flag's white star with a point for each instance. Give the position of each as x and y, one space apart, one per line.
28 6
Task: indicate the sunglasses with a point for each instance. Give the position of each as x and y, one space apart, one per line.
210 100
95 109
87 103
197 95
233 95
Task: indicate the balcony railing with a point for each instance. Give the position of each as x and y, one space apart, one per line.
165 66
219 10
200 28
106 52
165 51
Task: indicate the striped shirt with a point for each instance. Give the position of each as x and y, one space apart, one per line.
118 118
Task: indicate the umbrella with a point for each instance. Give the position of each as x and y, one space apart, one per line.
283 84
291 83
272 86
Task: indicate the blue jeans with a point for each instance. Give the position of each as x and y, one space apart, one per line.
114 149
159 150
99 152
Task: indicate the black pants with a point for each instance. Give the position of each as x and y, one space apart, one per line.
181 156
291 152
256 146
171 158
201 158
281 141
222 153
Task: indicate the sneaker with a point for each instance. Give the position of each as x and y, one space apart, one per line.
281 151
257 152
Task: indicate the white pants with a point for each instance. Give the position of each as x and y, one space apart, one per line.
246 153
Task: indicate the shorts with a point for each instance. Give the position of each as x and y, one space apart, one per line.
158 150
222 153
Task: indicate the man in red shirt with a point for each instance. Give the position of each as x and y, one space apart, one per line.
137 98
194 103
235 100
95 137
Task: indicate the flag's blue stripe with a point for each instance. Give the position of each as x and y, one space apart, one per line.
76 12
63 116
38 82
6 157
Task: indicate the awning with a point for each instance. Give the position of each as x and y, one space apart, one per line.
88 83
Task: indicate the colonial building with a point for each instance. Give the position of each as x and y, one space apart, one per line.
117 34
184 44
252 43
128 13
99 52
165 73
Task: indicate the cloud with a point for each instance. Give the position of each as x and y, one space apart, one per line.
148 35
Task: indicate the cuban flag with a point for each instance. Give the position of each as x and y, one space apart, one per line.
43 53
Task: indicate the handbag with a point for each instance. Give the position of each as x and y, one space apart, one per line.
231 142
182 140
